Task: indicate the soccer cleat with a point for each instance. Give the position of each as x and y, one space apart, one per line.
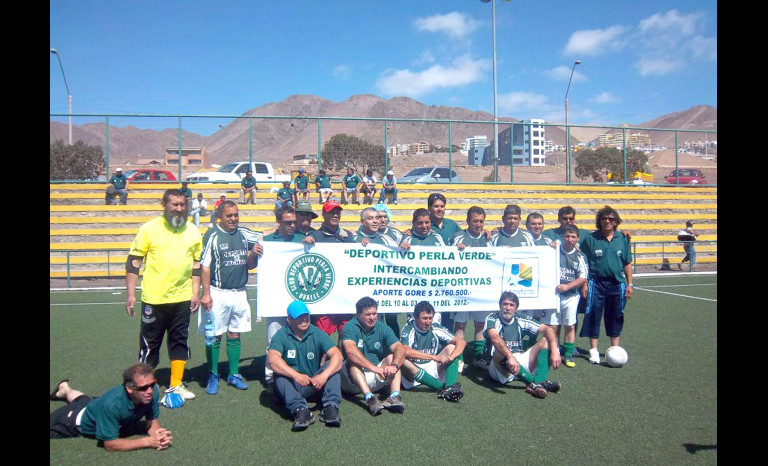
594 356
213 384
302 419
568 361
453 393
394 404
330 416
551 386
182 390
441 392
374 405
237 381
482 363
537 390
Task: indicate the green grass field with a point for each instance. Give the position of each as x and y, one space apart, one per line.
661 408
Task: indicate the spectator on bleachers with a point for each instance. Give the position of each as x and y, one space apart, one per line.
199 207
222 198
118 184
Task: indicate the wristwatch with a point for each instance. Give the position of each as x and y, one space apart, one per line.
632 285
397 366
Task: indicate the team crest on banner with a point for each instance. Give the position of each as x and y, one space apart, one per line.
521 277
309 278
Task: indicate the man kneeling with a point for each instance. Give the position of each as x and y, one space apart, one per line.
431 353
504 332
294 355
373 358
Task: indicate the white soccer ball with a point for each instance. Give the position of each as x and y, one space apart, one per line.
616 356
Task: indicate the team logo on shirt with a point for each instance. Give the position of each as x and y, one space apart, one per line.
291 354
309 278
310 355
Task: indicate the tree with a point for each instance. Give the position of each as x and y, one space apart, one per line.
343 150
76 162
597 163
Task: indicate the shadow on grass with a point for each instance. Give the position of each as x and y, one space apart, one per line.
480 377
692 448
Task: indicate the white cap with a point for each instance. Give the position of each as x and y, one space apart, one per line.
390 172
222 194
118 169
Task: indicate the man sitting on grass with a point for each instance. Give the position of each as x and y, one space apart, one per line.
431 353
509 359
373 358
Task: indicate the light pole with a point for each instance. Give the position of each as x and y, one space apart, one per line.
495 113
567 128
69 96
577 62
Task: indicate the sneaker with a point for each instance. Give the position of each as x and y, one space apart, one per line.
213 384
551 386
302 419
394 404
395 202
453 393
374 405
182 390
537 390
594 356
237 381
330 416
568 361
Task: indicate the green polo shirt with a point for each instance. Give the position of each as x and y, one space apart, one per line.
606 258
323 181
106 414
248 182
351 182
118 181
373 344
285 194
301 182
555 234
450 228
295 238
302 355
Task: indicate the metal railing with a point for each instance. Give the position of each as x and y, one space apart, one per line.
383 131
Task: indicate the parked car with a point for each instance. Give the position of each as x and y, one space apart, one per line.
149 174
686 176
430 175
235 171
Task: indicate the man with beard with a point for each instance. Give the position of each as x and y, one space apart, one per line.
229 251
171 250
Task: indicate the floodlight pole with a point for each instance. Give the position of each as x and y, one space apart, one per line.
69 96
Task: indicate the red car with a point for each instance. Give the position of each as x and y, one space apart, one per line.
686 176
149 174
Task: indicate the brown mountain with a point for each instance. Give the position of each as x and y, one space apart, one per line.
295 131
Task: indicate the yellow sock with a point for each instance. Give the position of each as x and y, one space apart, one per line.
177 372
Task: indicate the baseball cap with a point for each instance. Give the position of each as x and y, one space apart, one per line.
118 169
304 206
222 195
689 223
330 205
390 172
301 170
297 308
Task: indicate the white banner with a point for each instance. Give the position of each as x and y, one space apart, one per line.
332 277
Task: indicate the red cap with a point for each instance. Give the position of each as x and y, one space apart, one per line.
330 205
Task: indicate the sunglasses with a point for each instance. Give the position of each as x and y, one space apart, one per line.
610 219
144 388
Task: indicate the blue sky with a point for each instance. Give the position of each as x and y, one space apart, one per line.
639 60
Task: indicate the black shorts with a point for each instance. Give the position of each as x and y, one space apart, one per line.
63 420
156 320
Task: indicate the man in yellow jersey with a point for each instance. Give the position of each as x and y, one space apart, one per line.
170 249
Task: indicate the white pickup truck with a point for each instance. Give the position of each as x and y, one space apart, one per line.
235 171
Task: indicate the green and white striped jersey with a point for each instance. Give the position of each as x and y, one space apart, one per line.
467 239
431 342
573 265
517 239
511 332
225 254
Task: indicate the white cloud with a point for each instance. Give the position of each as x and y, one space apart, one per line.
658 66
595 41
563 73
704 47
456 25
671 22
462 71
343 71
605 97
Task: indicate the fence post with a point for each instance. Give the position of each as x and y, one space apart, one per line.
68 282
